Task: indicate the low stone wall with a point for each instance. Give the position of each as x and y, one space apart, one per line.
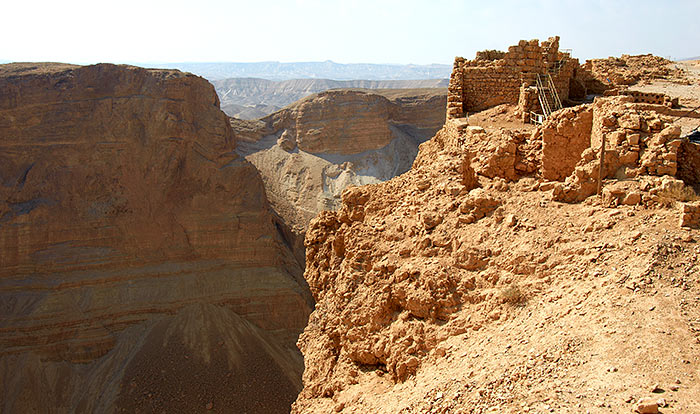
644 140
651 98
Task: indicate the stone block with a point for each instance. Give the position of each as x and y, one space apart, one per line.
690 215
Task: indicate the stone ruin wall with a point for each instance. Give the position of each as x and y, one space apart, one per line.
495 77
647 161
641 138
651 98
688 162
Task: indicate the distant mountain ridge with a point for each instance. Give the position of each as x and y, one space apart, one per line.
252 98
310 70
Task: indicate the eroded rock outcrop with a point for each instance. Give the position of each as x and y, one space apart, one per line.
311 151
135 245
342 123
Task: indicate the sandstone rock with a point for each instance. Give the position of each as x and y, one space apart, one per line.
647 406
632 198
479 204
423 184
469 179
123 192
320 127
667 134
286 141
431 219
690 215
469 258
354 121
546 186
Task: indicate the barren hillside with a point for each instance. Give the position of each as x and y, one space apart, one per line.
491 277
252 98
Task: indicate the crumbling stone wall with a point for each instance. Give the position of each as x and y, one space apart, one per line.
528 102
638 142
690 215
645 141
651 98
565 136
495 78
688 162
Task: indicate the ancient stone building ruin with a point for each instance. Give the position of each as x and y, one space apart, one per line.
524 76
495 77
637 130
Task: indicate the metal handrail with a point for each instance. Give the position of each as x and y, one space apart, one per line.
553 88
536 118
542 94
542 97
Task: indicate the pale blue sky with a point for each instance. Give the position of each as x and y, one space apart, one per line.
361 31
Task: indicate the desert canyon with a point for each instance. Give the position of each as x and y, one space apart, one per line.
522 239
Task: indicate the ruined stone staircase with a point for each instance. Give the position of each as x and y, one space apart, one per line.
547 94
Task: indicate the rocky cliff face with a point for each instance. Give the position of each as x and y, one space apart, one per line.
462 286
312 150
137 249
353 121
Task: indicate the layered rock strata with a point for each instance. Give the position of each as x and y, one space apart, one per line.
137 247
311 151
253 98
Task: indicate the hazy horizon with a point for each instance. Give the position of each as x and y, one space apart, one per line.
362 31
